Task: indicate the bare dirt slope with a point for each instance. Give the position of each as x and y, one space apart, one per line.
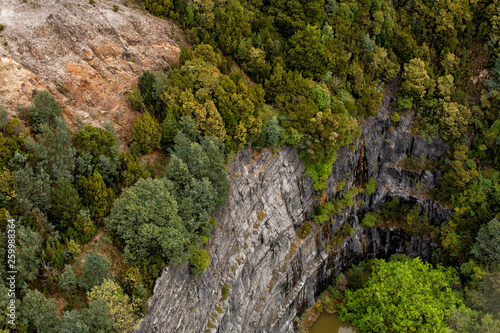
88 55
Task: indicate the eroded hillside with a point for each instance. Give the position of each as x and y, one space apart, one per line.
87 55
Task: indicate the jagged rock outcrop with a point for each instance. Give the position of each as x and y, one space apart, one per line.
261 274
87 55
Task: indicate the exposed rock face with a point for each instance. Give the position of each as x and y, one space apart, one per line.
88 56
271 273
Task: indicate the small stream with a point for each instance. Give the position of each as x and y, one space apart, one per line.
329 323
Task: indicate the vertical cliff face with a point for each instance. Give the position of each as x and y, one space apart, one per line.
261 274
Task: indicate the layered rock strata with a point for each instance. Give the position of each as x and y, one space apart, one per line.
262 274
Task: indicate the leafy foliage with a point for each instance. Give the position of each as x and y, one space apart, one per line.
46 109
487 241
146 133
118 306
40 311
95 270
199 261
386 302
146 219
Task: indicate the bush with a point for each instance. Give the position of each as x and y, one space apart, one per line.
404 104
115 8
369 220
199 261
304 230
395 117
371 186
135 99
225 291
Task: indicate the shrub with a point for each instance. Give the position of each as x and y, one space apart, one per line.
199 261
395 117
225 291
115 8
404 104
135 99
369 220
304 230
371 186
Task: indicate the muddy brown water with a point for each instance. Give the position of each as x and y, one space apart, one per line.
329 323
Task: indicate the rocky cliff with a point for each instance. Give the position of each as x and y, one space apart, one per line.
87 55
261 274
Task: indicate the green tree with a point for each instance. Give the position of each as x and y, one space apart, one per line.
41 312
454 119
145 218
485 297
73 322
487 242
273 131
66 204
28 256
214 125
307 44
416 80
95 270
54 151
68 280
146 87
118 306
95 141
95 195
4 119
199 261
405 46
96 316
32 190
400 296
146 133
168 131
185 55
46 109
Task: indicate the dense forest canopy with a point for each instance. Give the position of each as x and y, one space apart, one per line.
95 225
